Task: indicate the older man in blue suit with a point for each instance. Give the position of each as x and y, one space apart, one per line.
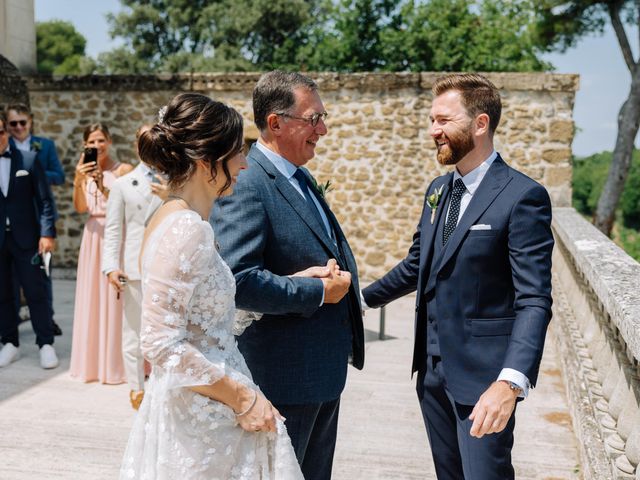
481 264
20 125
276 224
27 230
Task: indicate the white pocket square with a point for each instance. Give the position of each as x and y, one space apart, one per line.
480 226
22 173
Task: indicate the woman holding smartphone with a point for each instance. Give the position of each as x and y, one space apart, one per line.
96 351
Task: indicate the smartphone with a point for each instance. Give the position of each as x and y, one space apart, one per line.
90 155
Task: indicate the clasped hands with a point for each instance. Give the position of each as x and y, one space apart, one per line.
493 410
335 281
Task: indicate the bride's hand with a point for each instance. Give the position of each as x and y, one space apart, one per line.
258 415
320 272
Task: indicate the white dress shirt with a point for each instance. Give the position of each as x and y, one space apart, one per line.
24 146
472 181
5 173
5 176
286 168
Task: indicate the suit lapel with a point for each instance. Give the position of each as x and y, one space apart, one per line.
141 184
291 195
496 178
15 166
429 229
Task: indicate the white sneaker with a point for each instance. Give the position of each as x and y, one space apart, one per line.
48 357
9 353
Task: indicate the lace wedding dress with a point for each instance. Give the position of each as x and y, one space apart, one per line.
187 321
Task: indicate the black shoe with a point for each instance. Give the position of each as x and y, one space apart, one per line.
56 329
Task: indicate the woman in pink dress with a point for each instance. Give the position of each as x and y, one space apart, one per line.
96 351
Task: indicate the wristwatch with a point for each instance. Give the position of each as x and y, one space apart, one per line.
514 387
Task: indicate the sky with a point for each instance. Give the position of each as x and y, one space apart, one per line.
604 77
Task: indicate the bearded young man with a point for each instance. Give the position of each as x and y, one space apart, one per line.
481 264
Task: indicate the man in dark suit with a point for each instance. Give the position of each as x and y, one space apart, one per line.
276 224
27 230
481 264
20 124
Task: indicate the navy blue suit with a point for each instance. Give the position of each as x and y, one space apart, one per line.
485 296
48 157
298 351
30 208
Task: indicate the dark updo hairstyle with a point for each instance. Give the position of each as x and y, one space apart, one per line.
94 127
193 127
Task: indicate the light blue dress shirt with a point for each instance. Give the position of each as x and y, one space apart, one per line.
286 168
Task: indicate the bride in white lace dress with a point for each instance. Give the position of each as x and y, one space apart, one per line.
202 416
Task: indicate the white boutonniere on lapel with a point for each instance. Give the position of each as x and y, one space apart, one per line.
433 201
36 146
22 173
322 188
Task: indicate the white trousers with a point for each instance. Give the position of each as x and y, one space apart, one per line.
133 359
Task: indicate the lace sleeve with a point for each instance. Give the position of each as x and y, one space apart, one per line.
243 319
171 272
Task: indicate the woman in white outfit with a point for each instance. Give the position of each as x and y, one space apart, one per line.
202 416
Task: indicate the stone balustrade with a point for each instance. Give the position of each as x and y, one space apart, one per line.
597 326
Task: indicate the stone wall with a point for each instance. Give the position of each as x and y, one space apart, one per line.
597 325
378 152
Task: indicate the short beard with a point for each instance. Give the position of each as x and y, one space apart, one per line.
459 145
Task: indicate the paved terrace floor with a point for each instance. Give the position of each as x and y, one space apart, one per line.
56 428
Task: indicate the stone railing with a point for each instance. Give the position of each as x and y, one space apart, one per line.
596 323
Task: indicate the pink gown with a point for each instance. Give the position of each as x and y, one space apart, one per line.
96 350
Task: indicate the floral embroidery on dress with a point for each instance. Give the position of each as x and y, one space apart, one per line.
188 321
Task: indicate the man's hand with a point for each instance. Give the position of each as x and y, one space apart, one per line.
160 189
337 284
493 410
114 279
46 244
319 272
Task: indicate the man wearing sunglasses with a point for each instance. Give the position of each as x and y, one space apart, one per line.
275 224
20 125
27 230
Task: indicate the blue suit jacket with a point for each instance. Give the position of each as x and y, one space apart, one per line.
29 203
298 351
492 287
48 157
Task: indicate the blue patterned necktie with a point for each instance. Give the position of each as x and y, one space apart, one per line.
303 182
454 210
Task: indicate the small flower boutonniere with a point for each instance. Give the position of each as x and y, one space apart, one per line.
433 200
322 188
36 146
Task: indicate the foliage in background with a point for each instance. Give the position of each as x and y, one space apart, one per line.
60 49
589 176
561 24
324 35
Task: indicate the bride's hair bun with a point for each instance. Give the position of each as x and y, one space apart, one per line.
194 127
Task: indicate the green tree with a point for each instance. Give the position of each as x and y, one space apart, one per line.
438 35
560 25
205 35
61 49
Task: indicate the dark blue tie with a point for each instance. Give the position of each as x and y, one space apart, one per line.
454 210
303 182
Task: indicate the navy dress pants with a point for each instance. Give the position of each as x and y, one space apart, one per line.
312 429
456 454
34 283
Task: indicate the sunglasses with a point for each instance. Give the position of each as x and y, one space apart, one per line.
14 123
2 132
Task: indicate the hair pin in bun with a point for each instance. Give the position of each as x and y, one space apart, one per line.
161 113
